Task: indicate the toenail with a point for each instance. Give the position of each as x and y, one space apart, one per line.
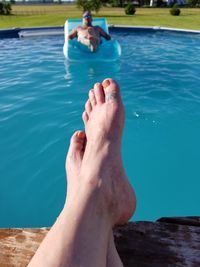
97 85
106 83
91 92
81 135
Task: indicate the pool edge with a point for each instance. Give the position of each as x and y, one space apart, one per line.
165 243
59 30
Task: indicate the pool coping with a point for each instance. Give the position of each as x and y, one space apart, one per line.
59 30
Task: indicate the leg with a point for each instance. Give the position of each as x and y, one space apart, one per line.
97 97
82 228
96 203
94 43
84 41
104 121
113 259
73 166
91 42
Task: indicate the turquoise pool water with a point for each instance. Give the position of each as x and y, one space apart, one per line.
41 100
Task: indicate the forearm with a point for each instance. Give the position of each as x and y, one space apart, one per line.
72 34
108 37
70 37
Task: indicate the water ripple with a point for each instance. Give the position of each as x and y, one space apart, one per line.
42 97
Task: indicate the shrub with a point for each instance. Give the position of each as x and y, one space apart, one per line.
130 9
175 11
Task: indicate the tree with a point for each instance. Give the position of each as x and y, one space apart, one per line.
193 3
5 8
90 5
118 3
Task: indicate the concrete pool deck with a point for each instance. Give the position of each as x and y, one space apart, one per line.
168 242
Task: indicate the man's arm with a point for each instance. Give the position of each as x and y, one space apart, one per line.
104 34
72 34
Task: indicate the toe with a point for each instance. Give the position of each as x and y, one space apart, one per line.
77 144
111 90
92 98
99 93
108 81
85 117
88 107
77 139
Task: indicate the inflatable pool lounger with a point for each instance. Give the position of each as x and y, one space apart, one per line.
75 51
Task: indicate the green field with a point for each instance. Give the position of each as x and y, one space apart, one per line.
55 15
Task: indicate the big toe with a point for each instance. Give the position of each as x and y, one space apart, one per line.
111 90
77 146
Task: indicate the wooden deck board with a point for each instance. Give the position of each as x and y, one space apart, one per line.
169 242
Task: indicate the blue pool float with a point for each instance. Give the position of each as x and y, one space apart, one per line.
75 51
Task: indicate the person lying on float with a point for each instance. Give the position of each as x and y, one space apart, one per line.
87 34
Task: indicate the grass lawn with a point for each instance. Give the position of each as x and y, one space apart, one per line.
55 15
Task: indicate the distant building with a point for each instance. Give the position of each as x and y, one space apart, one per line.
180 2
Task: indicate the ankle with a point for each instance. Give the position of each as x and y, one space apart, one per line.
88 203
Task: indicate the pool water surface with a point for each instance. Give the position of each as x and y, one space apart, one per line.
42 97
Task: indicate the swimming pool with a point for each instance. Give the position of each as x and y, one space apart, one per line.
42 97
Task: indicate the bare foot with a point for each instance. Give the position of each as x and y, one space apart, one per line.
102 163
73 167
114 117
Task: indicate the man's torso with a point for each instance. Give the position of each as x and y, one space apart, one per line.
87 32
